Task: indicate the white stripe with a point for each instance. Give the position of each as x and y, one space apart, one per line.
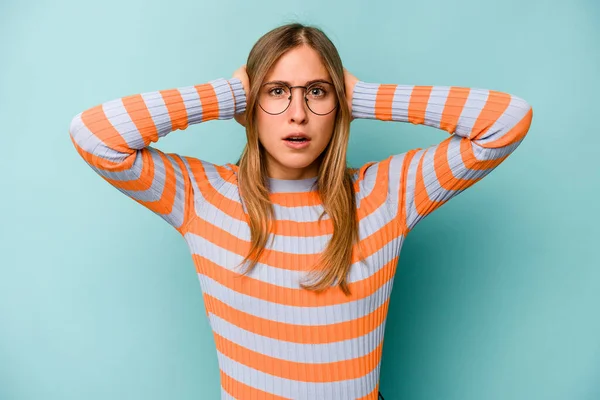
307 316
280 276
299 352
368 225
339 390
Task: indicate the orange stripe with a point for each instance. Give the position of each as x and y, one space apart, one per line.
234 167
176 108
383 101
293 297
241 391
419 99
296 199
378 195
210 103
495 106
455 103
188 193
402 191
141 117
304 334
280 259
225 173
305 372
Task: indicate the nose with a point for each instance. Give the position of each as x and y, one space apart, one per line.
297 110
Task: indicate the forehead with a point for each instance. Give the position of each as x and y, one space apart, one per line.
298 66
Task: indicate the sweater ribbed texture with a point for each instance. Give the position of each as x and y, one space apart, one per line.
274 339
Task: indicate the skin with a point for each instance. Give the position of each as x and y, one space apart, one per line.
296 66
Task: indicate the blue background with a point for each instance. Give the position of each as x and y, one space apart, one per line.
497 293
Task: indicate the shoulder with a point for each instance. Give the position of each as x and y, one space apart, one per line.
205 172
372 178
367 173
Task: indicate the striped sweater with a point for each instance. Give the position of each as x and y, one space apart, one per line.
275 340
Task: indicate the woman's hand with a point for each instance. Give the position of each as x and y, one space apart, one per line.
243 76
349 81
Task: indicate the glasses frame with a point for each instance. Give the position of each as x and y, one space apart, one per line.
337 103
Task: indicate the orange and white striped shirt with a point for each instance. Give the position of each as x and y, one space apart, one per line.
274 339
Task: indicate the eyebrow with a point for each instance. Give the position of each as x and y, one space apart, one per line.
306 84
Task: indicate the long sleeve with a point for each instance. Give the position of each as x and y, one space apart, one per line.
486 126
114 140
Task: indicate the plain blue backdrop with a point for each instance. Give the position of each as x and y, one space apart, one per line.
496 295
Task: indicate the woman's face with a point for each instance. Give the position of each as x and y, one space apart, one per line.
297 66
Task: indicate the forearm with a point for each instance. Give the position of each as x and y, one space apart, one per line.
117 128
480 115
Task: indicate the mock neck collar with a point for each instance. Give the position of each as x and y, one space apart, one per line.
292 185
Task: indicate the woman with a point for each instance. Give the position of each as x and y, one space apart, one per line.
291 209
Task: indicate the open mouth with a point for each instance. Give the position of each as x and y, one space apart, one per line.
296 140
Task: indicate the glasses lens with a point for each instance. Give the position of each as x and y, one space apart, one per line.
321 98
274 98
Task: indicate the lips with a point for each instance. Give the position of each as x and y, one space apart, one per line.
299 136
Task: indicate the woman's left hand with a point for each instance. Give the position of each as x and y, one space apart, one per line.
349 81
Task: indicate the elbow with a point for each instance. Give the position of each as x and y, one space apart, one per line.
75 133
75 126
522 107
522 112
527 116
83 139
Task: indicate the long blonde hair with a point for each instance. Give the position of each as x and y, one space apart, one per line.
334 182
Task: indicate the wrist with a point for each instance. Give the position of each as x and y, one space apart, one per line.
238 95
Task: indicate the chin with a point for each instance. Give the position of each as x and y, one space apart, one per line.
297 161
298 165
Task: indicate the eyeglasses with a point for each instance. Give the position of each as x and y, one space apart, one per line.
275 97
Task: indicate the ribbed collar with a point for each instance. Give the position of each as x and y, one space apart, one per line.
292 185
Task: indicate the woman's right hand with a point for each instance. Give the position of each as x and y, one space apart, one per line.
243 76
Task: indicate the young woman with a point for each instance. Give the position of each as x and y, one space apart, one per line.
320 242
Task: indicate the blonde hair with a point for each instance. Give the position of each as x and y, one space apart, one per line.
334 182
